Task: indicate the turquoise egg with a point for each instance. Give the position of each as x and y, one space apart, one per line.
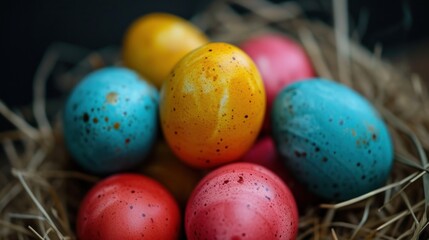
331 139
110 120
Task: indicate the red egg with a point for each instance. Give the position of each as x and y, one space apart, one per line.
128 206
281 61
241 201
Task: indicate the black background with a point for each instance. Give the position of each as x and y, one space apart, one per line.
27 28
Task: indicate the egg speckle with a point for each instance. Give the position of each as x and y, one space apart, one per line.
110 120
332 139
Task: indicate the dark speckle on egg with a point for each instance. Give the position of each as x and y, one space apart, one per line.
85 117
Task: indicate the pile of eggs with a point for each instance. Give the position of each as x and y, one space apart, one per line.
247 132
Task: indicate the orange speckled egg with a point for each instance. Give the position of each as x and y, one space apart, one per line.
212 105
154 43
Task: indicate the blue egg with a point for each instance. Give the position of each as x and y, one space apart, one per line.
110 120
332 139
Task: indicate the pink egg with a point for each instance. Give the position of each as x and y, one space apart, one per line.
265 154
281 61
241 201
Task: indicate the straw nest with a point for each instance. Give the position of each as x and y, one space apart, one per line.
41 188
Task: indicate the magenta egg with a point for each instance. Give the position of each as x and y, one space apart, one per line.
280 61
264 153
241 201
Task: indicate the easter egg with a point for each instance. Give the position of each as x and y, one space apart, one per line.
154 43
281 61
332 139
128 206
212 105
264 153
179 178
241 201
110 120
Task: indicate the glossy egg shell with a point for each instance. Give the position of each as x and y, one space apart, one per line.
241 201
128 206
333 140
154 43
212 105
110 120
280 60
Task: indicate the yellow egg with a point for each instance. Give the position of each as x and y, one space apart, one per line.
212 105
154 43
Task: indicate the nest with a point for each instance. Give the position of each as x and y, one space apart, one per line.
42 188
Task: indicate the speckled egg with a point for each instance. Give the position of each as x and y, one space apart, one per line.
110 120
333 140
241 201
128 206
212 105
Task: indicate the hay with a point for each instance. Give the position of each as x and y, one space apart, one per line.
41 187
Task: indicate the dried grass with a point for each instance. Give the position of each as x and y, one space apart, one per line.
41 188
